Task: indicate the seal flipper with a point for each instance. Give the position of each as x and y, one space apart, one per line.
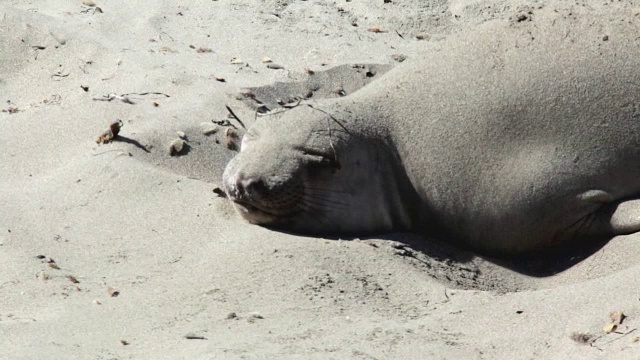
624 216
617 218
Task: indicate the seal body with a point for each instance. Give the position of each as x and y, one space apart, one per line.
508 139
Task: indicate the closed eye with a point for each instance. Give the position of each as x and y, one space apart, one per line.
323 160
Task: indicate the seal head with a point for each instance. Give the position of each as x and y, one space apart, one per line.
308 172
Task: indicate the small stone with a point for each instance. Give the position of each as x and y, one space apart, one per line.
232 139
181 135
253 317
176 147
231 316
113 292
399 57
208 128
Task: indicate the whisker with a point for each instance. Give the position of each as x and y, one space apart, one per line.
309 210
319 197
325 205
322 200
327 190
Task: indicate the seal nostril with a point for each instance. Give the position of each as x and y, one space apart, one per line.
253 186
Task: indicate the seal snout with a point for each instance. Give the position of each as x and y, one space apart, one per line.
241 187
260 198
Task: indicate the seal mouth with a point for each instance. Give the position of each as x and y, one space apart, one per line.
257 215
250 208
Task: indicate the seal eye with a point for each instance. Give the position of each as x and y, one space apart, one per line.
332 163
319 162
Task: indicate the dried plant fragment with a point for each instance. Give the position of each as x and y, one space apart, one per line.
166 49
11 110
423 36
617 317
73 279
377 29
202 50
110 134
610 328
219 192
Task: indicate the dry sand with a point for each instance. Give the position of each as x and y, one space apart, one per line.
164 269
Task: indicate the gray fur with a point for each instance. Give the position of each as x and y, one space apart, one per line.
510 138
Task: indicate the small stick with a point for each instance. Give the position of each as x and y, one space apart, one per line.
235 116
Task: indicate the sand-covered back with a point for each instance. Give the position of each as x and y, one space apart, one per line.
121 251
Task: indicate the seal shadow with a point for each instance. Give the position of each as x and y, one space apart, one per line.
551 261
538 264
431 250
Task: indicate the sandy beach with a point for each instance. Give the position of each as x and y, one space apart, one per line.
121 251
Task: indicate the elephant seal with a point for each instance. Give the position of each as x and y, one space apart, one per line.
510 138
